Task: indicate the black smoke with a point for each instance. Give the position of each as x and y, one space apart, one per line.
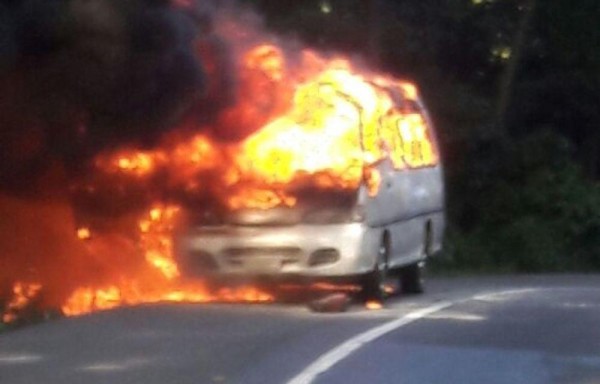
78 76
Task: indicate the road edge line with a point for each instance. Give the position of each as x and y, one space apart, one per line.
340 352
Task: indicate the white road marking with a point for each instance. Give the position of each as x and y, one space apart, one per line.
339 353
18 358
342 351
501 296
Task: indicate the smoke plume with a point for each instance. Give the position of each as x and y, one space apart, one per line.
78 77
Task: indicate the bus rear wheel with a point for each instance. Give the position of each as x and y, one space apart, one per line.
412 278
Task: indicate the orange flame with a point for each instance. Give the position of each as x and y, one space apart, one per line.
84 233
373 305
137 163
158 280
157 242
338 123
308 121
23 293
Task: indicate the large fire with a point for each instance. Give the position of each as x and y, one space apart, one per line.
312 122
338 121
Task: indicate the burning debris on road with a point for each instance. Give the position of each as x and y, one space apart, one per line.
119 118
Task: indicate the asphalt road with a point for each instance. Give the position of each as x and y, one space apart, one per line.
543 329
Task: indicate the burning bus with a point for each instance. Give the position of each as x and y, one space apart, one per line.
346 186
338 180
254 157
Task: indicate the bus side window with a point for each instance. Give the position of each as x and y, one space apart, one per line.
393 141
416 141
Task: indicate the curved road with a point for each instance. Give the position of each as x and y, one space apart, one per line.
526 329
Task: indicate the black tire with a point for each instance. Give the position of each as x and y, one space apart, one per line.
411 278
373 283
